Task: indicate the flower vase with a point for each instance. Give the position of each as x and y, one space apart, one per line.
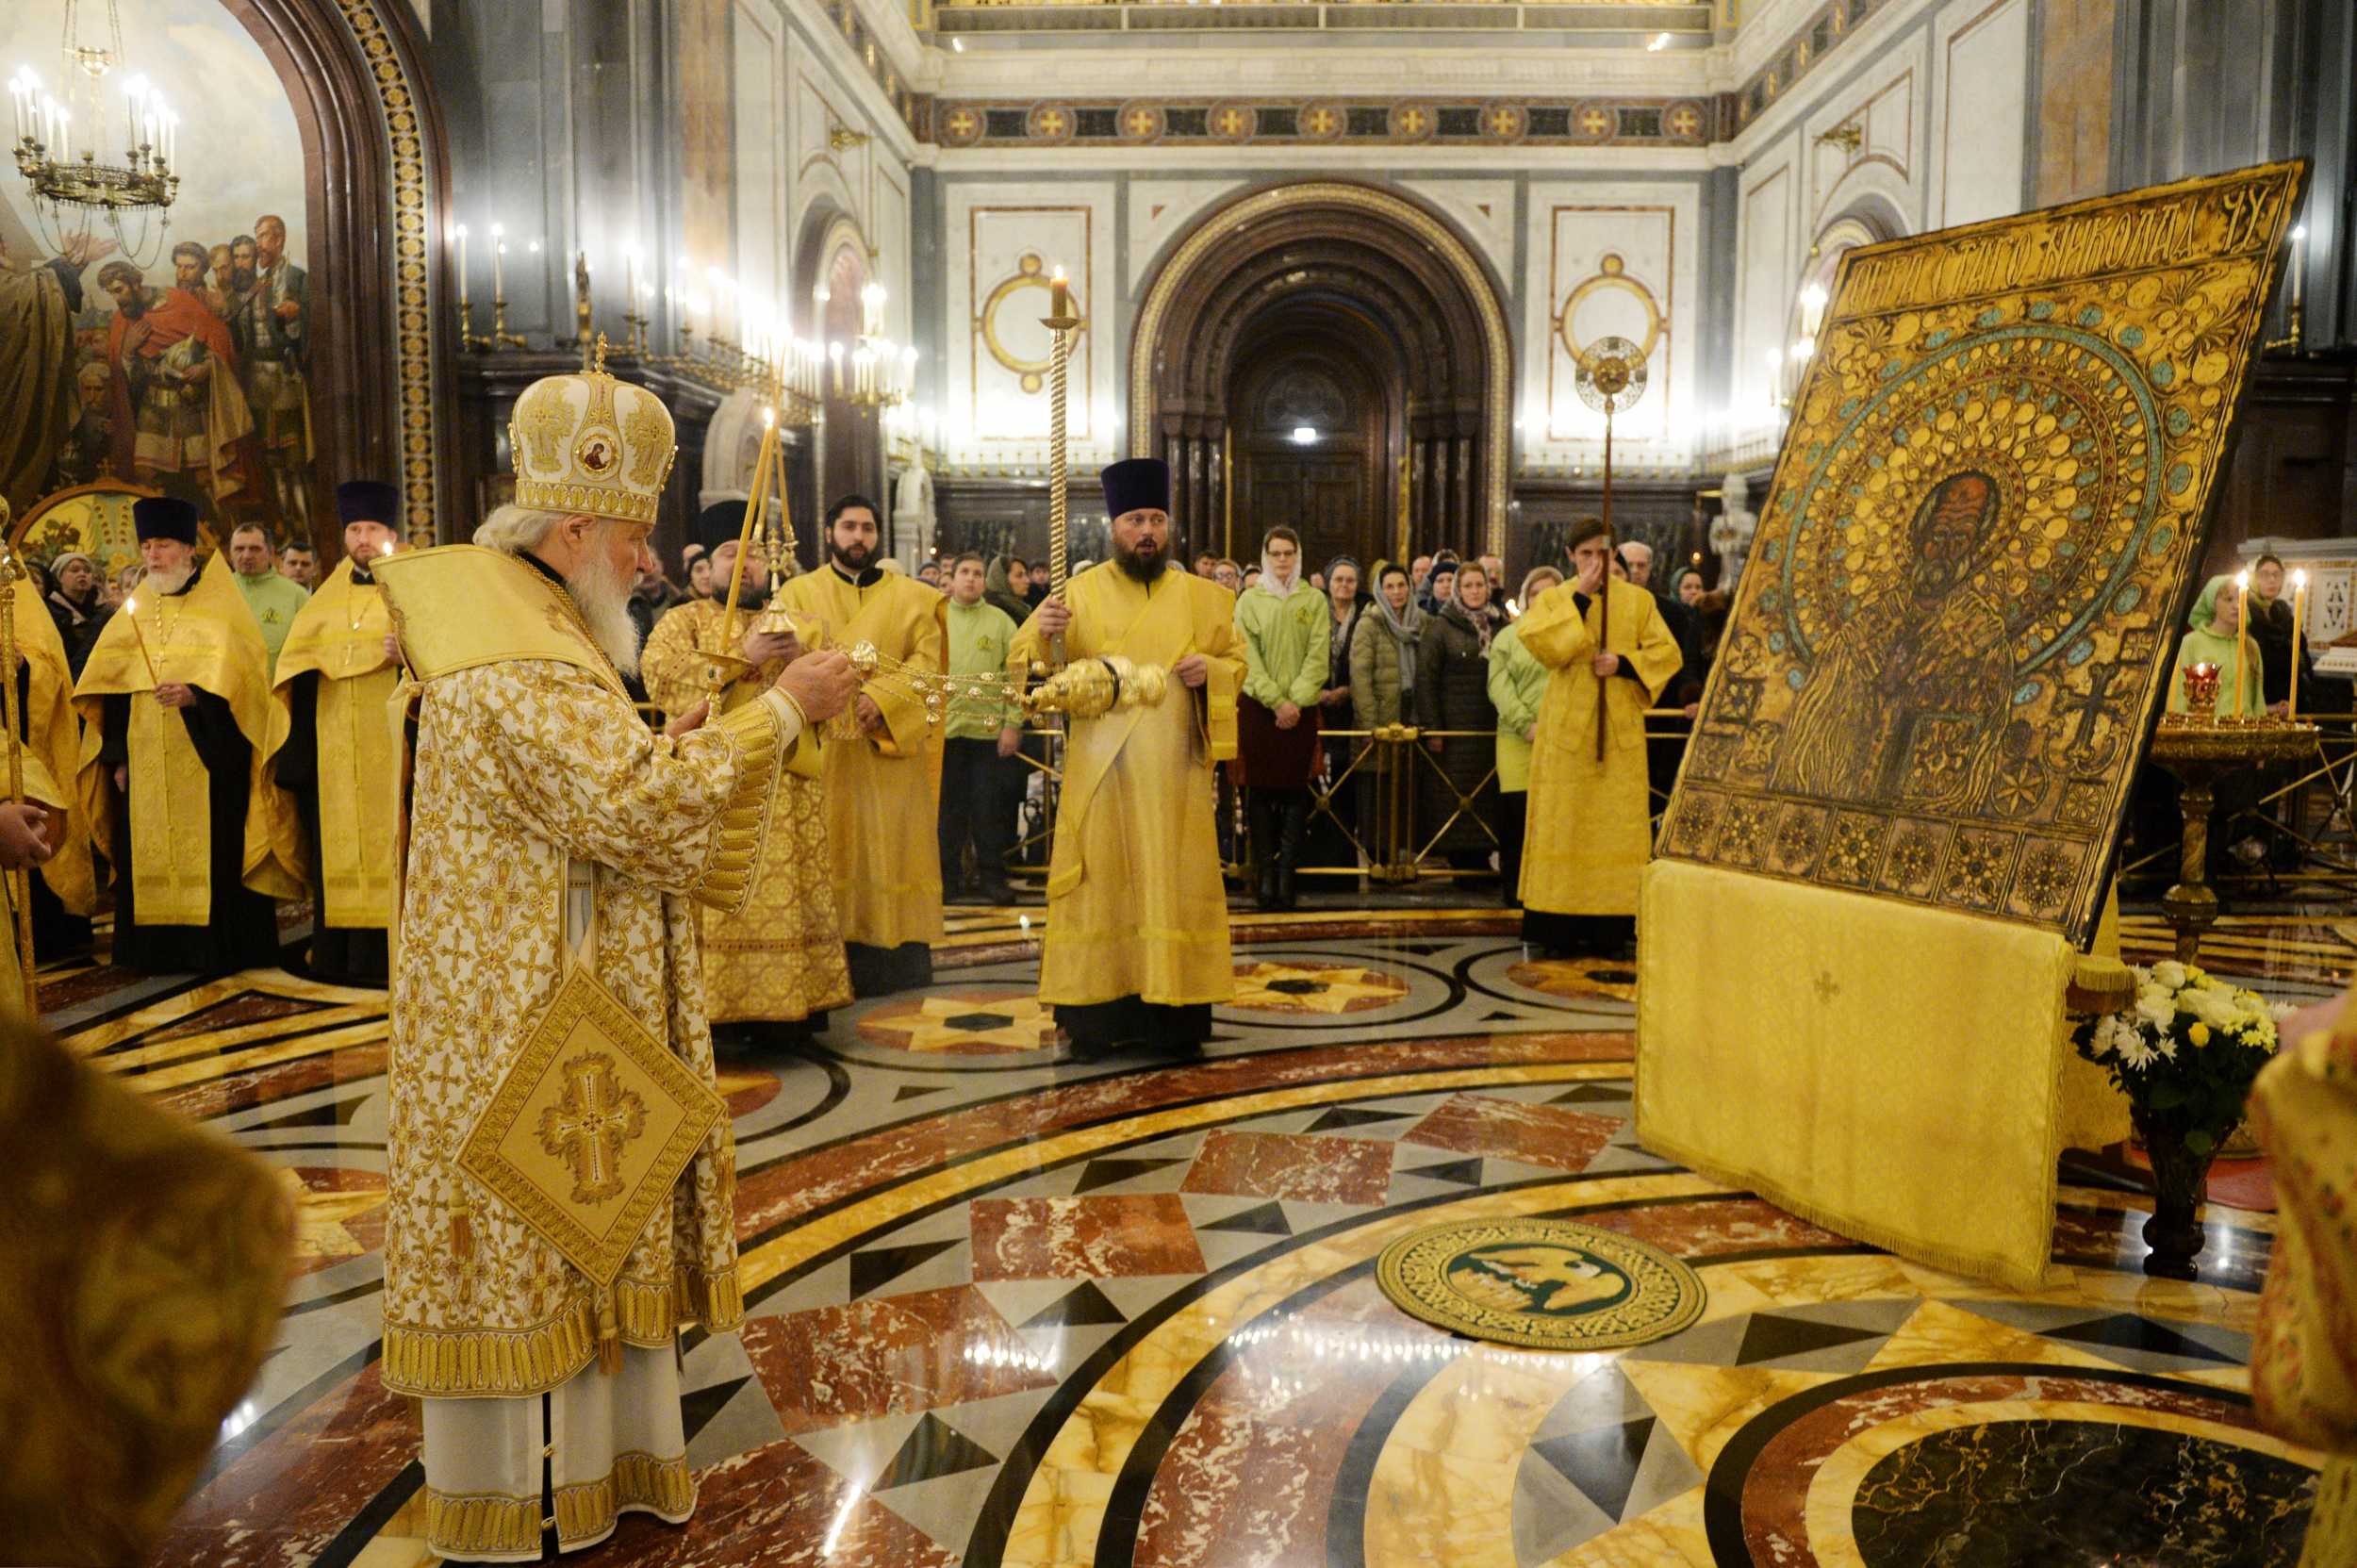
2179 1175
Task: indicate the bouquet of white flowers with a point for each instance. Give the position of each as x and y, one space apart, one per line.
2185 1052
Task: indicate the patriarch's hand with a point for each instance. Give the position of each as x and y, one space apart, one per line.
823 683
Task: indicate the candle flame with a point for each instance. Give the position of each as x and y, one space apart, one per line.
387 548
1059 273
130 607
769 418
2299 578
2242 581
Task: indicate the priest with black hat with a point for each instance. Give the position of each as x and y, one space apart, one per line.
1136 951
776 967
333 750
175 700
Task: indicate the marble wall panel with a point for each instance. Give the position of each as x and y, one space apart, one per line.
1980 76
1617 260
1002 243
1161 214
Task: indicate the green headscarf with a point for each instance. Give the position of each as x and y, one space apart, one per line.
2204 614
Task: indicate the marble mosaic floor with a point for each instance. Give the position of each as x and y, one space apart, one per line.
1009 1310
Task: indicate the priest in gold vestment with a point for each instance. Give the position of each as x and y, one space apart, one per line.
332 748
176 713
882 761
560 1172
780 962
1136 949
1591 820
66 888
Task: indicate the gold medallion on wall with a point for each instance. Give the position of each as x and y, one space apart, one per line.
1029 273
1611 278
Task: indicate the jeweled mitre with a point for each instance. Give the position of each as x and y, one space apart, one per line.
591 444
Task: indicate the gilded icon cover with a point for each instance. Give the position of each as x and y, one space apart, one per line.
1953 630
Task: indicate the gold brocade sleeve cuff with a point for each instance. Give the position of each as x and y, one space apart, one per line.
759 738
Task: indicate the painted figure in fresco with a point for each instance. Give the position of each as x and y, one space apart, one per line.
190 261
38 302
269 301
180 418
1908 698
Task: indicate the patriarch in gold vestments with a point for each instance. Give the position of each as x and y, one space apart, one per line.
1136 947
881 762
2304 1358
560 1170
176 713
779 958
1590 823
332 751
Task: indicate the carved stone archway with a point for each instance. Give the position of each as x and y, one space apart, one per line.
1391 260
376 185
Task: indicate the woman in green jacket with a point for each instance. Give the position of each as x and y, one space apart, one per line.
1517 681
1284 625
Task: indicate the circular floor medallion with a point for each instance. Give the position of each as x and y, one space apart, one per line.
1548 1285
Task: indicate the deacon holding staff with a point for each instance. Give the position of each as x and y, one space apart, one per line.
334 753
560 1172
1136 948
177 708
1589 830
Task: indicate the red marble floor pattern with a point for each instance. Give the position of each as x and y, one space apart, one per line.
1080 1238
1287 1164
1552 1135
894 1355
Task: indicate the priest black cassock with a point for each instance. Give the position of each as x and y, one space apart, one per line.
334 749
175 700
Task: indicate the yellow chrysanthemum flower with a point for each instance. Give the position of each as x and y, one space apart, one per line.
2199 1034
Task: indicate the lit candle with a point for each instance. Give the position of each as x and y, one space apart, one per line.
2300 616
499 262
2299 263
2242 631
1059 296
630 275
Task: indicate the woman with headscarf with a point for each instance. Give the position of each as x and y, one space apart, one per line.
1283 624
1328 845
1457 804
1517 681
2210 638
77 605
1383 655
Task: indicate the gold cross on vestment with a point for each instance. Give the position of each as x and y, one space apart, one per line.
589 1125
1825 987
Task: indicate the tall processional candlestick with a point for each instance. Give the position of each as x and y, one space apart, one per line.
19 880
1061 325
1610 376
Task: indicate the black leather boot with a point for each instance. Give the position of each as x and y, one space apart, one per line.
1262 814
1290 839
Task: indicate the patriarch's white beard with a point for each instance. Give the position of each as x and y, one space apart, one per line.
602 596
167 582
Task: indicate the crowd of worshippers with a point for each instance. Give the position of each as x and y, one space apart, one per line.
276 781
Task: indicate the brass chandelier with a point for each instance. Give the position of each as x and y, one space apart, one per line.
57 142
